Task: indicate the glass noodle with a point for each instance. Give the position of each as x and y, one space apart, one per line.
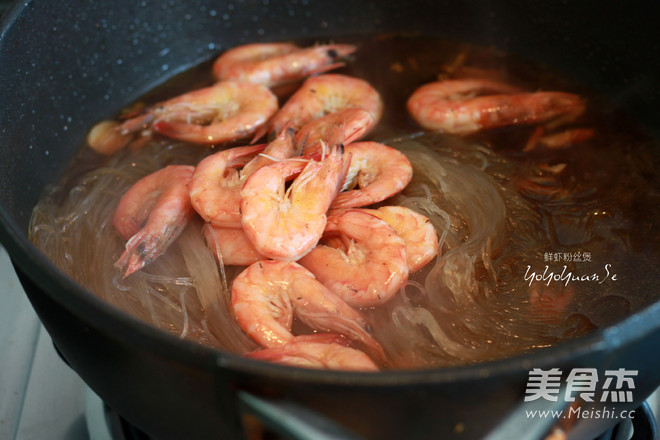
501 215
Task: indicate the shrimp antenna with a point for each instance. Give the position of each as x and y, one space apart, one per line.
267 156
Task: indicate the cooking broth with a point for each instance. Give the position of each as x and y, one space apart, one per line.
537 246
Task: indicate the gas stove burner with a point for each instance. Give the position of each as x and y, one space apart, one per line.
106 424
642 427
103 423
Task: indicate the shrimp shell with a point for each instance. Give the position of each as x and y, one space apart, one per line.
416 230
226 111
285 224
216 184
322 95
379 171
273 64
268 293
352 123
317 351
365 262
230 245
454 106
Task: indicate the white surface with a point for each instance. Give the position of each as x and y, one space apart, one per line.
40 396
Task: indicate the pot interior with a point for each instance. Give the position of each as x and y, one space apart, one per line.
109 59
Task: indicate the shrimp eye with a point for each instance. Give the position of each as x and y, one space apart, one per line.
332 53
142 250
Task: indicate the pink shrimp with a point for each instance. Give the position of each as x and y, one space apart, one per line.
215 189
377 170
273 64
366 263
152 214
266 296
318 351
416 230
353 123
322 95
285 224
454 106
226 111
230 245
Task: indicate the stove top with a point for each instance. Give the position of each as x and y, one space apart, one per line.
40 396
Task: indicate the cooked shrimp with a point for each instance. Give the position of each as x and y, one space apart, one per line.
266 296
226 111
416 230
454 106
282 147
366 263
215 189
377 170
317 351
353 123
273 64
152 214
216 185
230 245
285 224
322 95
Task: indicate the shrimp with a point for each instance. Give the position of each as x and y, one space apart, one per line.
317 351
354 123
286 224
454 106
365 265
215 188
378 171
322 95
416 230
273 64
226 111
230 245
152 214
266 296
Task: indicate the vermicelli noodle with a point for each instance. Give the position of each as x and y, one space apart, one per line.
536 247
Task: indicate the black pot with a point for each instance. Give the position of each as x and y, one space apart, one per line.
66 65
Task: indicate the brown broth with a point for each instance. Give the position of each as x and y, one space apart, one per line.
601 207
